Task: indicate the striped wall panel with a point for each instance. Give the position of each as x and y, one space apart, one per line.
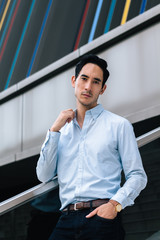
34 34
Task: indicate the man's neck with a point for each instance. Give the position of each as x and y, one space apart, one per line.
81 110
80 117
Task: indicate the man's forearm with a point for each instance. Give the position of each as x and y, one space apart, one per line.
131 189
46 166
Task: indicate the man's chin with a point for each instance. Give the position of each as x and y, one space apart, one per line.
88 105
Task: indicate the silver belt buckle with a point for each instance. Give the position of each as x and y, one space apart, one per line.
75 209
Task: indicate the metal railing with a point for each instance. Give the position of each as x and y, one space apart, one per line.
42 188
27 196
148 137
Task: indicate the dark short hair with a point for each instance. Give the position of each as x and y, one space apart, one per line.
91 58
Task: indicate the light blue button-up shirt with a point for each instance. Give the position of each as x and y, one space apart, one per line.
89 161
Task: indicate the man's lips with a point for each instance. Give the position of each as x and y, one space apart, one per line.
86 95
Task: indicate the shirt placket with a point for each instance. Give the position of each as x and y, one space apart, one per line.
81 156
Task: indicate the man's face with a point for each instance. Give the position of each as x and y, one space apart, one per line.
88 85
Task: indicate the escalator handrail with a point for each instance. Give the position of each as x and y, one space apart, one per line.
42 188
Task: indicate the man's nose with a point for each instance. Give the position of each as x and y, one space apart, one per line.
88 85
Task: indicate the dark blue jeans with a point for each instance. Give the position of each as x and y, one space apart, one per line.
74 225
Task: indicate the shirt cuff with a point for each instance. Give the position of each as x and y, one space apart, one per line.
123 201
51 136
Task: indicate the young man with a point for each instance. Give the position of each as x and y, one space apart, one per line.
87 149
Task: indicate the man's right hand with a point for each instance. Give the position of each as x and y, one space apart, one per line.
63 118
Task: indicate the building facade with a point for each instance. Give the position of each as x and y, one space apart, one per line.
40 45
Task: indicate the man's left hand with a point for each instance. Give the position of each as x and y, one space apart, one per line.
106 210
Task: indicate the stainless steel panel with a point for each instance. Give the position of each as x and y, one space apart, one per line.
28 153
8 92
10 127
7 159
134 85
43 104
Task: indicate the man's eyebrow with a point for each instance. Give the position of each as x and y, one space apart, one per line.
97 79
83 75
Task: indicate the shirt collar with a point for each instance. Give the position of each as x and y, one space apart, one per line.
94 112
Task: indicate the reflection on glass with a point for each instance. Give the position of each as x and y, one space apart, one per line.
142 221
34 220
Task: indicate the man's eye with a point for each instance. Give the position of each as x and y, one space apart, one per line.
84 78
96 82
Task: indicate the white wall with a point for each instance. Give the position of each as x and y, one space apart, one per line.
133 91
134 83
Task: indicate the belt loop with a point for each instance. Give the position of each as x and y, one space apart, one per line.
91 208
68 209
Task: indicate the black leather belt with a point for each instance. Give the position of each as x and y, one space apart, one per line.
85 205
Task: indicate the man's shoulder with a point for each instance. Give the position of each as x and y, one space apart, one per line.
115 120
114 117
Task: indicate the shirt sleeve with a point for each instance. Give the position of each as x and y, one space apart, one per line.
135 175
47 163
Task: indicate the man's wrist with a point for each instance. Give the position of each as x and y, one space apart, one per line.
113 202
53 129
117 205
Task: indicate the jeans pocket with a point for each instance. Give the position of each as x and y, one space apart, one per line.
105 219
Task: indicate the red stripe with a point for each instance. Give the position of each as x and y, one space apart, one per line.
82 24
9 30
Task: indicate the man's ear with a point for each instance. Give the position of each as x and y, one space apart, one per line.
103 89
73 80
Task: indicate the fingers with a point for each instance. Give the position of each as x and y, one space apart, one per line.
69 114
94 212
64 116
105 211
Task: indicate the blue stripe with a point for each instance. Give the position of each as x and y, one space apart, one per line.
110 14
143 6
7 23
19 45
39 38
1 7
93 29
